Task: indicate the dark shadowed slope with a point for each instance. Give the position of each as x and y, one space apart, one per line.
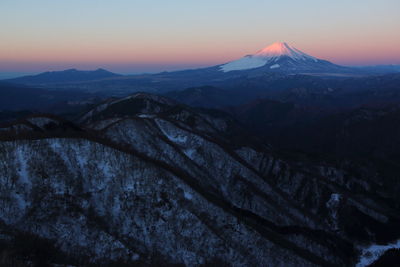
143 180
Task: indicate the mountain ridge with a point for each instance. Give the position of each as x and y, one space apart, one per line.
64 76
149 177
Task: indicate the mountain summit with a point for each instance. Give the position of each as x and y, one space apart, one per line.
277 50
279 56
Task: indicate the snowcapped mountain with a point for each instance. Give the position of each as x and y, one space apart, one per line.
279 56
277 50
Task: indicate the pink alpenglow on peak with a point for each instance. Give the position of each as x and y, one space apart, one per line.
278 49
268 55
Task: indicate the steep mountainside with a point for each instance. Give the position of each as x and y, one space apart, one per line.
143 180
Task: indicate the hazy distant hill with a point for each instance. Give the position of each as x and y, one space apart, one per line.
65 76
303 90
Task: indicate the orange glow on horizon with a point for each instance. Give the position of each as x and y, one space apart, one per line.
175 55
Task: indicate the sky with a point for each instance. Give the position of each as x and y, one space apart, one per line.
132 36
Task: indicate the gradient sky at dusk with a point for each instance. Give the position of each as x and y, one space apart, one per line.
131 36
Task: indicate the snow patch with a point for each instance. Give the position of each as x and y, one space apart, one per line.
275 66
278 49
248 62
146 116
98 109
372 253
172 135
24 182
176 138
333 205
335 198
189 152
23 170
187 195
41 121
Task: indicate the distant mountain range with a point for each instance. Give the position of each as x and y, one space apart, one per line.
302 90
270 63
275 159
66 76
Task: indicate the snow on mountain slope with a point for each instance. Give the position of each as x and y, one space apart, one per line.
245 63
155 183
170 139
130 105
269 55
117 207
277 50
372 253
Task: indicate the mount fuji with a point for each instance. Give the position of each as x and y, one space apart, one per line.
281 57
268 64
